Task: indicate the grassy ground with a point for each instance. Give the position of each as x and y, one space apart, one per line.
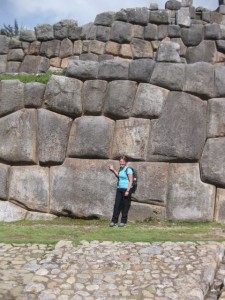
26 78
76 230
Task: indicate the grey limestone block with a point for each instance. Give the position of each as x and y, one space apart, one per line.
174 31
151 32
15 55
18 138
220 45
216 117
142 212
119 98
69 182
34 64
61 28
112 70
74 32
212 31
29 186
180 132
121 32
153 180
63 95
149 101
183 17
50 48
91 137
14 43
173 5
82 69
44 32
34 94
205 51
189 199
53 136
85 30
3 63
27 35
200 79
213 162
140 70
168 52
66 48
37 216
138 15
220 206
10 212
11 96
13 66
91 33
89 57
105 18
103 33
4 174
160 17
220 81
192 36
93 96
141 48
169 75
131 138
4 44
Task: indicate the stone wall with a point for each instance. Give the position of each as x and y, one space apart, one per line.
57 140
124 35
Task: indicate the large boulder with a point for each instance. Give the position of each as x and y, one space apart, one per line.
173 5
149 101
141 48
18 139
160 17
34 94
27 35
205 51
11 96
121 32
61 28
220 206
93 96
152 182
200 79
212 31
10 212
34 64
4 172
3 63
216 117
4 44
169 75
168 52
141 212
105 18
63 95
131 138
192 36
50 48
29 187
180 132
138 15
44 32
15 55
82 69
91 137
66 48
151 32
119 98
78 183
103 33
112 70
189 199
213 162
183 17
140 70
220 82
53 136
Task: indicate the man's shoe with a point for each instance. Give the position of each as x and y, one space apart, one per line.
122 225
112 224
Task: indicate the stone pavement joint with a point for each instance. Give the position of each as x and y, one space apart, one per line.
113 270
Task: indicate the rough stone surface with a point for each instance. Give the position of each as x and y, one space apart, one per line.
141 48
105 18
93 96
91 137
4 44
4 171
121 32
112 70
192 36
160 17
220 206
173 5
63 95
15 55
10 212
216 117
82 69
168 75
53 136
34 64
69 181
119 98
220 81
18 137
131 138
29 186
44 32
146 212
138 15
11 96
168 52
3 63
180 132
205 51
200 79
66 48
61 28
50 48
34 94
149 101
213 162
151 32
140 70
183 17
188 197
27 35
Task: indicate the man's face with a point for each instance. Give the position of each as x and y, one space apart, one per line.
122 163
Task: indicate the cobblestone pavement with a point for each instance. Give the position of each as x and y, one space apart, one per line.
113 270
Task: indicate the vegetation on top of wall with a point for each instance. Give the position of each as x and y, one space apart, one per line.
25 78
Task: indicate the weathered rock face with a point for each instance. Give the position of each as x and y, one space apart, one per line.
188 197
